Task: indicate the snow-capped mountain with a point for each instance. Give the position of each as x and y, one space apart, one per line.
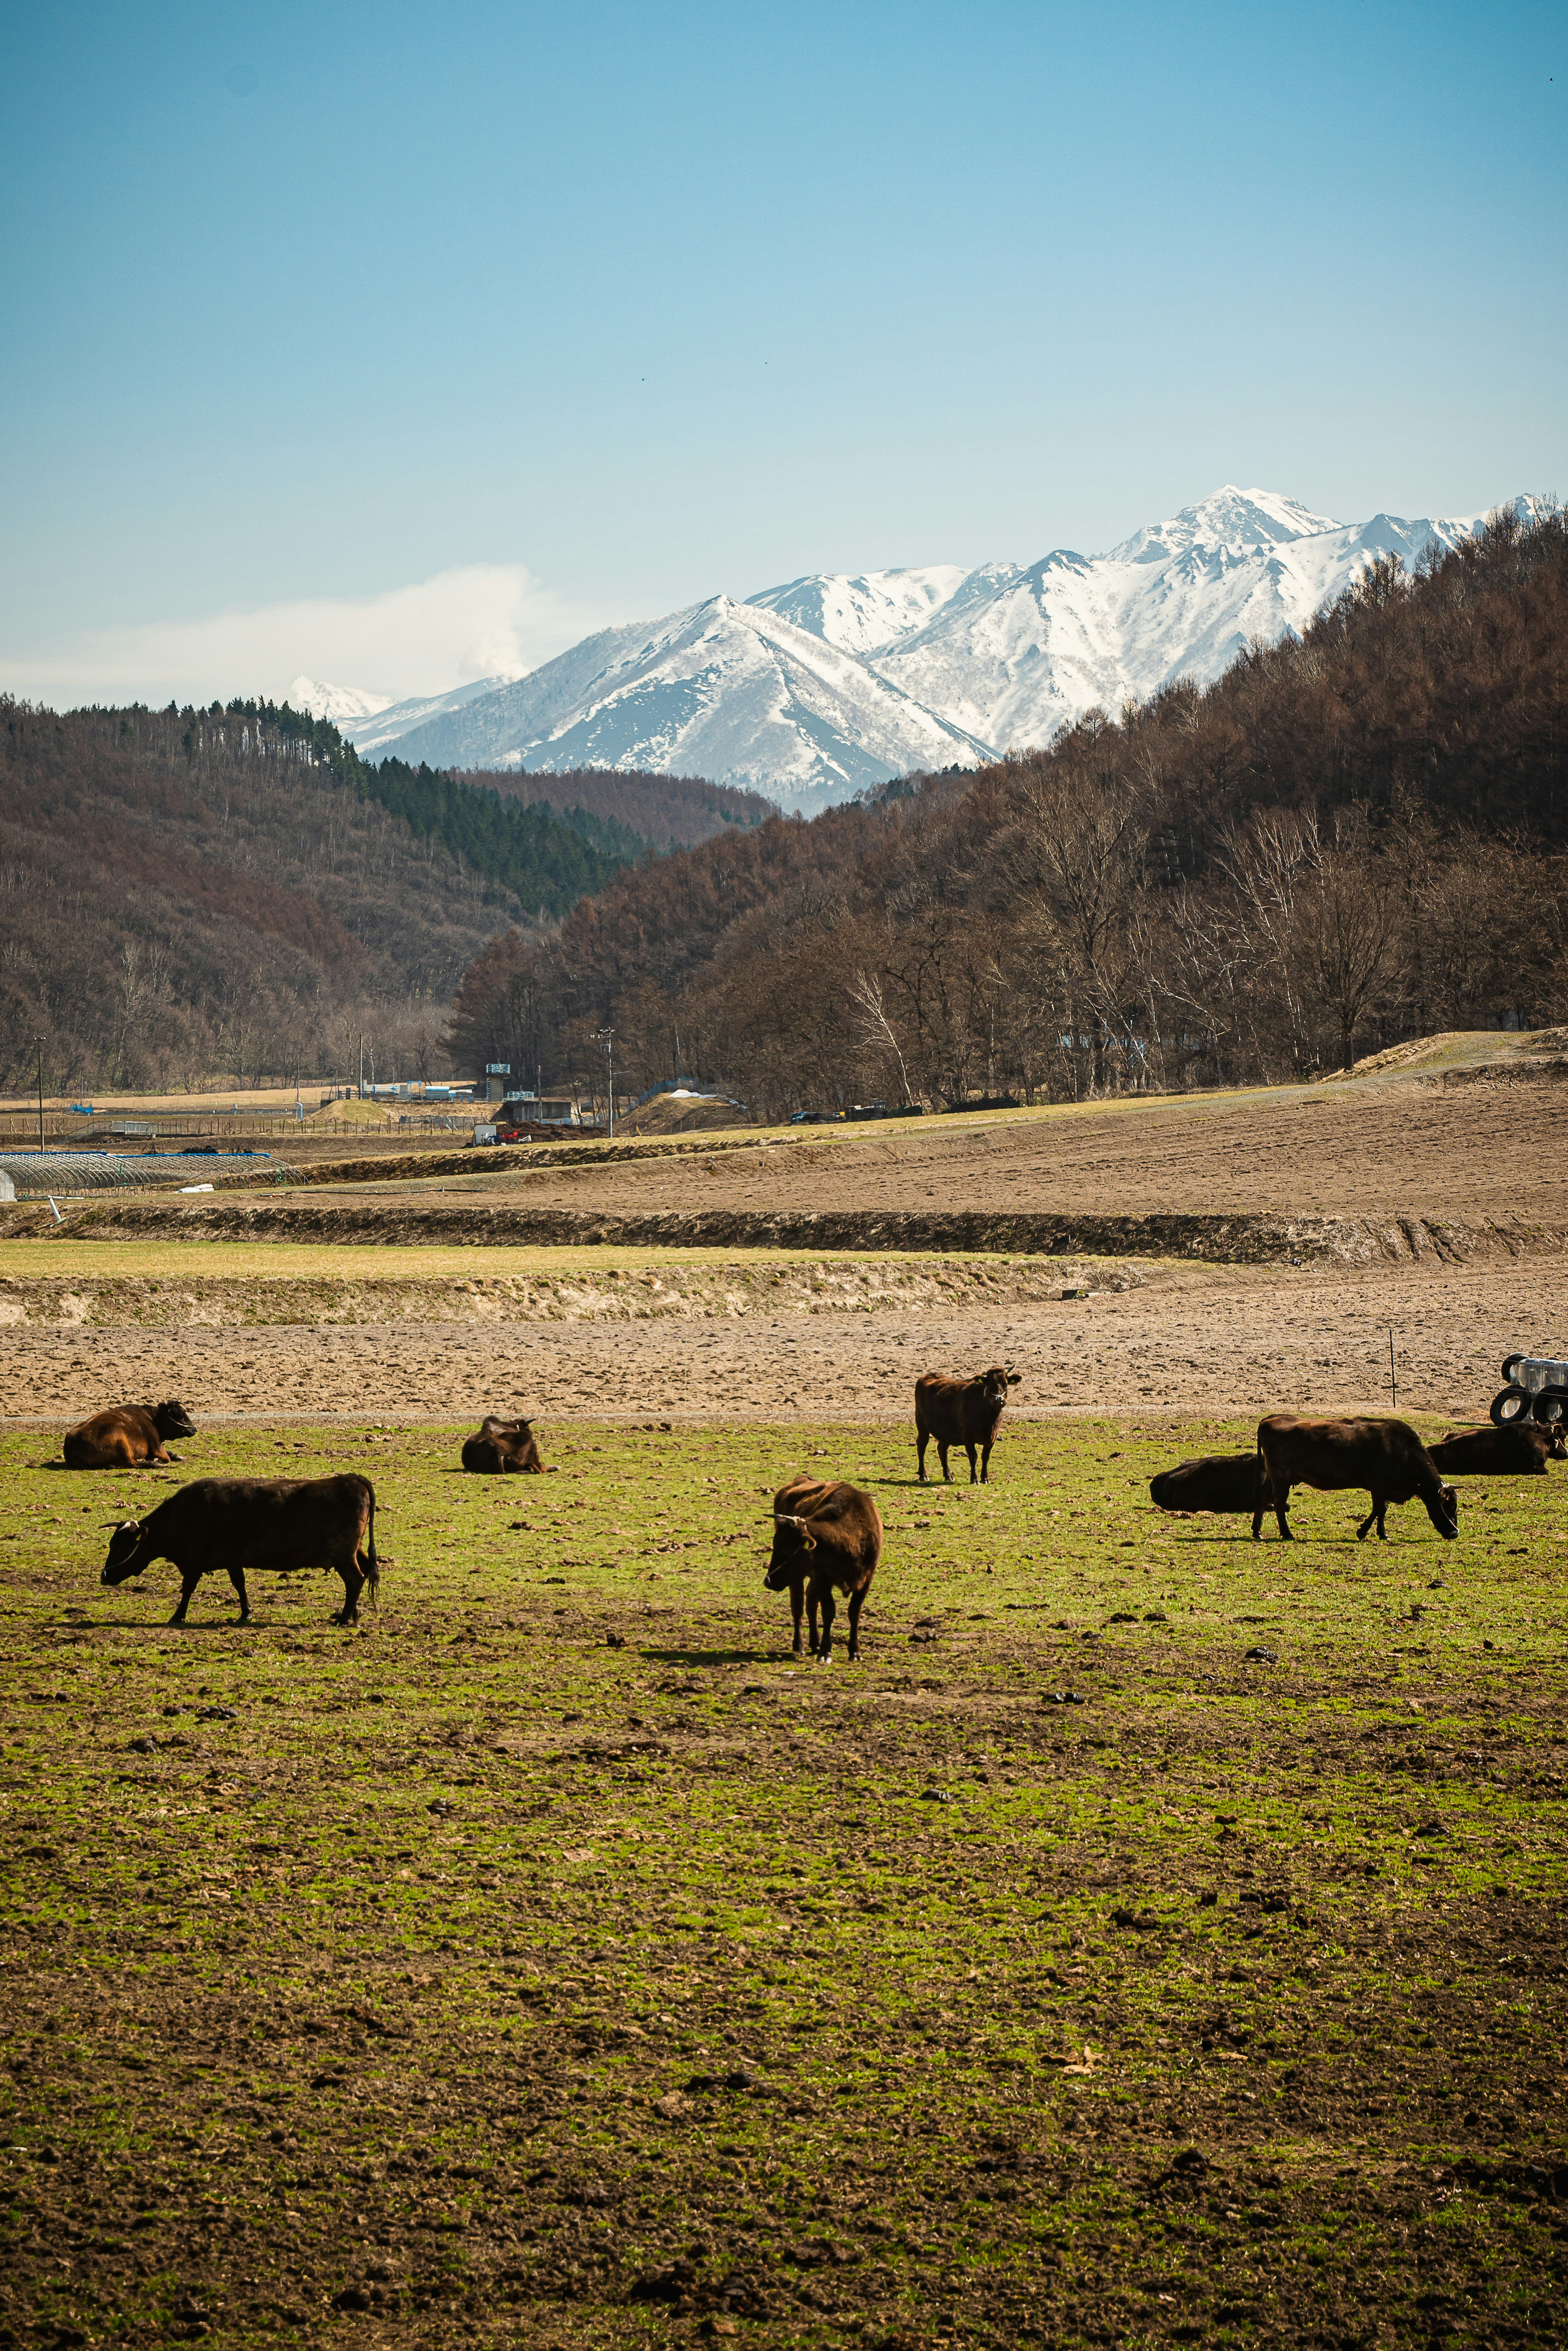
728 691
1036 648
812 690
378 732
338 702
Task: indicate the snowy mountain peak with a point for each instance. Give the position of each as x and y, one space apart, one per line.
1228 521
335 702
812 690
867 613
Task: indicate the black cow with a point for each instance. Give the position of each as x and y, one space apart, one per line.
1386 1457
960 1412
1520 1449
824 1534
502 1448
264 1523
1218 1482
126 1436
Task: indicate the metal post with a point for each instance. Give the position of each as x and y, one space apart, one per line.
1393 1381
40 1097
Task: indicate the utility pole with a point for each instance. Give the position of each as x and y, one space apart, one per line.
361 1065
40 1097
605 1039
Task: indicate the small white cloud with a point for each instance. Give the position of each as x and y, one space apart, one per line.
484 620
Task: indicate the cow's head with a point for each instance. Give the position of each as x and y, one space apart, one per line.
1556 1444
172 1419
994 1384
126 1555
1443 1509
793 1539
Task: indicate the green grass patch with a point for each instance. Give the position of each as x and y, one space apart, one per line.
556 1962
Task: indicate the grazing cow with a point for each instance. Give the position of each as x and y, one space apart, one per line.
1518 1451
1219 1481
279 1523
960 1412
1386 1457
502 1448
824 1534
127 1437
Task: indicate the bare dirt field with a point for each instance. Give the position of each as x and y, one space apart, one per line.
1177 1339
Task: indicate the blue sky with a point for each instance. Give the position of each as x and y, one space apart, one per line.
430 337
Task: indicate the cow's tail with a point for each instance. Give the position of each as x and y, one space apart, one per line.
372 1564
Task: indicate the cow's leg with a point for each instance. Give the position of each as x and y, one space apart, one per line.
856 1602
811 1615
353 1584
797 1609
189 1579
922 1439
237 1578
1281 1504
829 1608
973 1474
985 1460
943 1457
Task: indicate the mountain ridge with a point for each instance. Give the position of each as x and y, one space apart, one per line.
834 683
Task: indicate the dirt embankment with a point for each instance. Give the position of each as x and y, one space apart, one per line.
1214 1240
633 1295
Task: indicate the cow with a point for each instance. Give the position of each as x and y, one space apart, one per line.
502 1448
265 1523
960 1412
1386 1457
1219 1481
1516 1451
127 1437
824 1534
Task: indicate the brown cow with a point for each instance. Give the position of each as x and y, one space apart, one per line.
960 1412
1219 1481
502 1448
265 1523
125 1437
1386 1457
824 1534
1518 1451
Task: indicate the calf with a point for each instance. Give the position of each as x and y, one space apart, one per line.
960 1412
125 1437
502 1448
1519 1450
276 1523
1219 1481
824 1535
1386 1457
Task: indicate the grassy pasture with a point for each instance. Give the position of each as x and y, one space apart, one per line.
553 1961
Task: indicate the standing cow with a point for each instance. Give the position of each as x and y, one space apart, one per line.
1386 1457
825 1535
960 1412
502 1448
227 1524
127 1437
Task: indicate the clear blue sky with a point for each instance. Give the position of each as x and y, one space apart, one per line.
308 304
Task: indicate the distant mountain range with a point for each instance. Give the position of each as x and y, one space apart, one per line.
819 688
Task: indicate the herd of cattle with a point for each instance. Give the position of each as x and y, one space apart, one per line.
826 1535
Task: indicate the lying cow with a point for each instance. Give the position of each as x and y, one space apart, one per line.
825 1535
1386 1457
1519 1450
1218 1482
502 1449
960 1412
127 1437
264 1523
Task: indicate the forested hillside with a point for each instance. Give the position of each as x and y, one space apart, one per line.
232 892
1350 838
622 810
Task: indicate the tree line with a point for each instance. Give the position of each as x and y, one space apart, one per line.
1352 837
